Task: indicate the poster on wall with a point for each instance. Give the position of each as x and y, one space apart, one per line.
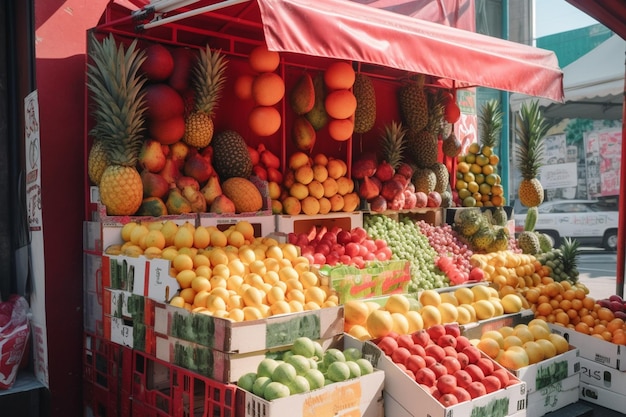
602 159
35 226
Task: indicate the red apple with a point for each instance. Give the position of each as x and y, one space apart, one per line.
446 384
415 363
451 364
491 383
421 337
425 376
448 400
476 389
388 345
400 355
463 378
405 340
435 351
438 369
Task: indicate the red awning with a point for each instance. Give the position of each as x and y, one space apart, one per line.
349 30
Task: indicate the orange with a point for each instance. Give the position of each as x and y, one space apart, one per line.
582 327
341 129
534 351
549 350
605 314
268 89
263 60
615 324
264 120
243 87
340 104
544 309
489 346
339 75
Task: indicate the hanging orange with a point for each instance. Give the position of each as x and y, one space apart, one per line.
264 120
268 89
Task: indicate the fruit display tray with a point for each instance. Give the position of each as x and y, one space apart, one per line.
549 371
594 349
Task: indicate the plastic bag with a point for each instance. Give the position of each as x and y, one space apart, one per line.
14 333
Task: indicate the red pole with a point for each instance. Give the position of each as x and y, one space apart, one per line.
619 279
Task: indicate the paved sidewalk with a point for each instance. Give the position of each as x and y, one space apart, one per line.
600 287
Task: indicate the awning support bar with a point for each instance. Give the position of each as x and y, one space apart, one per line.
195 12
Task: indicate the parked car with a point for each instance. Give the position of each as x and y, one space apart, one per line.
591 222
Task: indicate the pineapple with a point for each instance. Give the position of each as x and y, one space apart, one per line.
421 147
365 113
443 176
208 80
490 125
531 128
230 155
499 217
501 240
570 250
392 144
114 82
451 146
424 180
97 162
483 238
528 243
414 104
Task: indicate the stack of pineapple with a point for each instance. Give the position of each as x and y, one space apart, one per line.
423 117
477 181
485 231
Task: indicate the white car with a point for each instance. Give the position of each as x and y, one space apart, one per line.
591 222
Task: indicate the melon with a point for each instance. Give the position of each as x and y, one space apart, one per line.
243 193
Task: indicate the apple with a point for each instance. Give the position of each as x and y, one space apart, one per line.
475 372
446 384
451 364
461 394
447 340
405 340
436 331
421 337
417 349
359 234
453 329
477 274
476 389
486 365
319 258
448 400
352 249
388 345
435 351
491 383
415 363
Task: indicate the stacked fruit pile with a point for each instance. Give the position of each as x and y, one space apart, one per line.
317 185
522 345
445 364
477 181
347 247
305 367
229 274
484 231
402 315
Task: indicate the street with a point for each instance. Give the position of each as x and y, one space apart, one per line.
597 271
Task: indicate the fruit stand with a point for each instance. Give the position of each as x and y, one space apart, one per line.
308 234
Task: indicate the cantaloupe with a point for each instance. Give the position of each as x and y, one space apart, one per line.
263 60
268 89
264 120
243 193
340 104
339 75
341 129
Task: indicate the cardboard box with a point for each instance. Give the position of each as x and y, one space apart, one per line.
263 223
601 376
594 349
247 336
140 275
356 397
301 223
93 313
416 401
553 397
221 366
550 371
476 329
92 273
99 235
604 397
118 330
376 279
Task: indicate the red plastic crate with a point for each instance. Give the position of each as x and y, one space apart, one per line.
161 388
106 377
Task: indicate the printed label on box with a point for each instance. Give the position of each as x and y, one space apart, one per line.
343 398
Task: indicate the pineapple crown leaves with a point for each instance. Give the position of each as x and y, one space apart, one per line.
118 100
209 78
490 123
530 128
570 250
393 143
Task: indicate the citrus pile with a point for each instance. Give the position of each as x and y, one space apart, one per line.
477 181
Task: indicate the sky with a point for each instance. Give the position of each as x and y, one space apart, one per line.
554 16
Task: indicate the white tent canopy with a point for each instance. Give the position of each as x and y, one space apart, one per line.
593 85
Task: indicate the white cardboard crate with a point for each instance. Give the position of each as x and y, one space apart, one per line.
592 348
604 397
549 371
140 275
553 397
247 336
263 224
602 376
412 398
